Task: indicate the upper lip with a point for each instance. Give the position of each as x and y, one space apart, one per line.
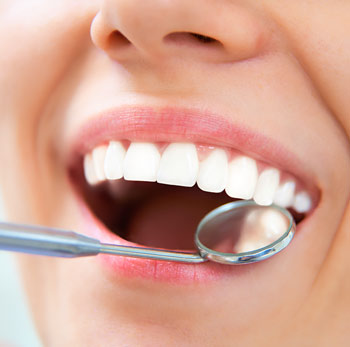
172 124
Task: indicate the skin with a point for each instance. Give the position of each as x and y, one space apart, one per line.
286 73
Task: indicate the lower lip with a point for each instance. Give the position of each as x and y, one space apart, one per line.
148 269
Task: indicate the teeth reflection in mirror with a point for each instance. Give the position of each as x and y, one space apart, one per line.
98 158
141 162
273 224
89 170
114 159
212 175
179 165
260 228
284 195
302 202
266 187
242 178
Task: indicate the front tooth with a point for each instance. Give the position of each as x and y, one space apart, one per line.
179 165
89 170
284 195
141 162
266 187
98 158
212 175
114 160
302 202
242 178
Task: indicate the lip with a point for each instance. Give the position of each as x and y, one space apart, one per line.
170 124
164 271
119 267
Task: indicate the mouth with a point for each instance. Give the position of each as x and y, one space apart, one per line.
147 177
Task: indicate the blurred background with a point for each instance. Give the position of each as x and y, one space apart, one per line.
16 327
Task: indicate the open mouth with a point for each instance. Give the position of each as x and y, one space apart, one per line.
154 193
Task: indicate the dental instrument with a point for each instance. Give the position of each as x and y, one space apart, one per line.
239 232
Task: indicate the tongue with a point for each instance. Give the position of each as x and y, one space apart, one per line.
170 220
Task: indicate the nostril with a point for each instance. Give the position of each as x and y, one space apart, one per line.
202 38
117 39
189 38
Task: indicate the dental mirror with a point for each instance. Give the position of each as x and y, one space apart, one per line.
244 232
239 232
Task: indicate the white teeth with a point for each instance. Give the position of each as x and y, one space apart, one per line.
242 178
302 202
98 158
271 223
89 170
179 165
266 187
141 162
212 176
114 160
274 225
284 195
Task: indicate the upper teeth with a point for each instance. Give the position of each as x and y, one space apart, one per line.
213 172
179 165
141 162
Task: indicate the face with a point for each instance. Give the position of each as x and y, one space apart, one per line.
250 99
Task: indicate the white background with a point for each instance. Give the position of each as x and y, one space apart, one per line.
16 328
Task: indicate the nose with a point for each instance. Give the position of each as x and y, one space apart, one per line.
159 30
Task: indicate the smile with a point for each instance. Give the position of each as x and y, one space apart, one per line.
146 178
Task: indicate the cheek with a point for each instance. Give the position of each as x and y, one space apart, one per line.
41 40
322 46
327 59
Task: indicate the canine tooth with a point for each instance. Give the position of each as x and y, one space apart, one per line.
266 186
89 170
212 175
242 178
284 195
114 159
179 165
141 162
98 158
302 202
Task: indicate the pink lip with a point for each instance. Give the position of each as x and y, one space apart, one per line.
170 272
170 125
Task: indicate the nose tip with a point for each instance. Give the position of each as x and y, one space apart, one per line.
178 29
